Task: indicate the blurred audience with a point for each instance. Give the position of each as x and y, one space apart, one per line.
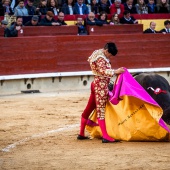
15 28
42 8
151 29
81 28
115 19
48 20
33 22
92 20
93 6
60 19
141 7
104 6
110 2
151 7
5 8
128 19
14 3
103 18
67 8
166 30
117 7
20 9
53 6
4 25
30 7
163 6
80 8
129 6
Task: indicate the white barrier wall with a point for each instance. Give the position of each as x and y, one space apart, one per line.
53 82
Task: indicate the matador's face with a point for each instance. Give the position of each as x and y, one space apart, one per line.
107 54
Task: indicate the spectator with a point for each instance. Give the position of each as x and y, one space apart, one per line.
61 19
117 7
36 3
33 22
5 8
14 3
94 7
163 6
89 1
151 7
130 7
48 20
91 20
42 8
80 8
81 28
127 18
104 6
151 29
166 30
141 7
110 2
4 25
115 20
20 9
15 28
103 17
31 9
53 6
60 3
67 8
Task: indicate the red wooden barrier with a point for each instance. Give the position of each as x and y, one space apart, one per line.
116 29
28 55
46 30
1 32
50 30
73 30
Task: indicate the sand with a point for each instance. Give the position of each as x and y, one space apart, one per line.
38 132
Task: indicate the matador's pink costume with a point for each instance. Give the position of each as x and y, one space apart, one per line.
102 71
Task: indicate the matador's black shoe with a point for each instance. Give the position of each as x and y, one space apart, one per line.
79 137
108 141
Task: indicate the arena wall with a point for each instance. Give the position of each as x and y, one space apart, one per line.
54 63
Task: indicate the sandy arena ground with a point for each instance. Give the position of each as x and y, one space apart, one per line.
38 132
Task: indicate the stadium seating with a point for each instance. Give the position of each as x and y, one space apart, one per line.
144 19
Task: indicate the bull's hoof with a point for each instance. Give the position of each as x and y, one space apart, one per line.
108 141
79 137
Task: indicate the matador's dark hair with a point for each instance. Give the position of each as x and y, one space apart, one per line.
111 48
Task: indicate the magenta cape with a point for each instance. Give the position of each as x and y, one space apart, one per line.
131 113
126 85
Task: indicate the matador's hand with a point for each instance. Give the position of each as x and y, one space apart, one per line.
119 70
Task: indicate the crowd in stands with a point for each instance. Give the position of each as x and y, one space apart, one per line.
152 28
70 7
43 12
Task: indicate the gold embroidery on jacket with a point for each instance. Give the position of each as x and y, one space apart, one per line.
101 68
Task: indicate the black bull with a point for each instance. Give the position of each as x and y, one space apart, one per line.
159 89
